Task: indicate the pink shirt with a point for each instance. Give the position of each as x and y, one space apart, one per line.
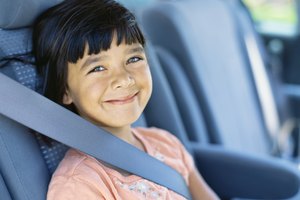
80 176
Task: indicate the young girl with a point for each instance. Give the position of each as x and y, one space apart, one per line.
92 52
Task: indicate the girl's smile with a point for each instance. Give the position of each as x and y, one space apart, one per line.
122 100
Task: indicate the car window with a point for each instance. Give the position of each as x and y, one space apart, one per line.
274 17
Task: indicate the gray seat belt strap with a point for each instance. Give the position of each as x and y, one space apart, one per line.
46 117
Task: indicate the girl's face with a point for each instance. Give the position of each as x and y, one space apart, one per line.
112 88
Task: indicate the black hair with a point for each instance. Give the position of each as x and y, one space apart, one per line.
61 34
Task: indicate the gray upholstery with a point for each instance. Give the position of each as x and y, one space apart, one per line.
203 37
162 110
15 52
17 44
21 163
21 13
251 177
3 189
52 153
26 163
188 106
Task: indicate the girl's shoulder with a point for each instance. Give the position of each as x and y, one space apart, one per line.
71 161
75 161
80 176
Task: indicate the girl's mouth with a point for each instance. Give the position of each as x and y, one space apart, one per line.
122 100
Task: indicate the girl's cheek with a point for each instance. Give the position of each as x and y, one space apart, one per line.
96 86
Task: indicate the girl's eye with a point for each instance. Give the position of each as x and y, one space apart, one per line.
97 69
133 60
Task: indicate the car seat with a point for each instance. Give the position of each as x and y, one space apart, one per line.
204 42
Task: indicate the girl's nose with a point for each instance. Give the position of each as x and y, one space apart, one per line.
123 79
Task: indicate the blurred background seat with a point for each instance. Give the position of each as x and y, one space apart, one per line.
223 59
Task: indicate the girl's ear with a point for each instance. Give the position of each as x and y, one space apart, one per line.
67 100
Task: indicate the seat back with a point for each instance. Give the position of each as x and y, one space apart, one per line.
203 36
3 189
161 110
22 165
27 162
190 110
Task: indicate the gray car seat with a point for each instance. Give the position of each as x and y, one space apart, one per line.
26 162
205 39
3 189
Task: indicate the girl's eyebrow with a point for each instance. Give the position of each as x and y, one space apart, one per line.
92 59
135 50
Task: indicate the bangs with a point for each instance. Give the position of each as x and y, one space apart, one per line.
100 40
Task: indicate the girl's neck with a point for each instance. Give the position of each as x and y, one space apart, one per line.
123 133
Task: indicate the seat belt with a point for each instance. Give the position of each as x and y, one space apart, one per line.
35 111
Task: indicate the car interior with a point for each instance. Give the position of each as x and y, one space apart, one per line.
213 88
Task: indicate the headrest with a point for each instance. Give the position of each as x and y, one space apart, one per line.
21 13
